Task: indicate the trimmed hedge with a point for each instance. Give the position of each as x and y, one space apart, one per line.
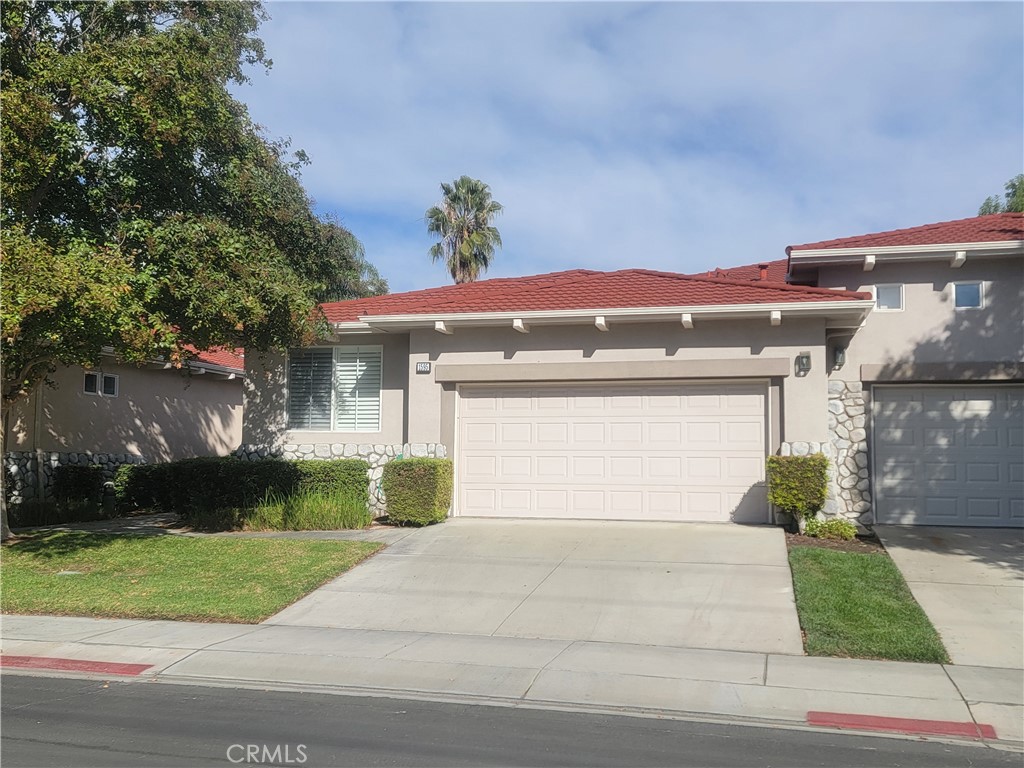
77 498
213 489
798 484
418 491
78 484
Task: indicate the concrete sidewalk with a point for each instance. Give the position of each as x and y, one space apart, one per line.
950 702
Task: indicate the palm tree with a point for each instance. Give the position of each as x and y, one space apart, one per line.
463 223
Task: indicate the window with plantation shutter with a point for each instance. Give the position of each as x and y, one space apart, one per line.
357 389
309 388
334 389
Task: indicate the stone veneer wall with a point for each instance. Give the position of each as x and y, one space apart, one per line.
847 423
24 474
376 455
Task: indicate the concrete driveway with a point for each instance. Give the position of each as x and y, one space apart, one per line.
970 582
668 584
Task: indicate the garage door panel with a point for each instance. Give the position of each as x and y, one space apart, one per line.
484 434
705 433
941 471
939 438
942 507
952 463
988 508
551 500
982 472
620 452
553 432
1017 510
662 433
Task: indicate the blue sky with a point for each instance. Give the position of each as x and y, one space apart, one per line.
674 136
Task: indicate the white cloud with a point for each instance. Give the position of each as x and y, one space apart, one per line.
672 136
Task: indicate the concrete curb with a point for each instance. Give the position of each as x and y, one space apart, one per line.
855 696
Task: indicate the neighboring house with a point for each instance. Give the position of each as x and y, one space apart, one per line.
937 369
656 396
125 414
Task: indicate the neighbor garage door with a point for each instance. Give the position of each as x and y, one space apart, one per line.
636 452
949 455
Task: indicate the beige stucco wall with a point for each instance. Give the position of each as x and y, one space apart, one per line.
929 329
160 414
803 398
416 408
266 397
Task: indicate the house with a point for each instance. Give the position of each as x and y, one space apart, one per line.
121 413
650 395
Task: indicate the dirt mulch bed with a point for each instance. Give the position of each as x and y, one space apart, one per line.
867 542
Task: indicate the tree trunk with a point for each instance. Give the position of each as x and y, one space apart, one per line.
5 528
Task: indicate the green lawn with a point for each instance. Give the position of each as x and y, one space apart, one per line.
857 605
167 577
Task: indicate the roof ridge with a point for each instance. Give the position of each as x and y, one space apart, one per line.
762 284
898 230
462 286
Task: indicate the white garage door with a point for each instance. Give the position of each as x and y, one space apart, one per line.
949 455
619 452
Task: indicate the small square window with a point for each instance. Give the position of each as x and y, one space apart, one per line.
968 295
889 297
101 384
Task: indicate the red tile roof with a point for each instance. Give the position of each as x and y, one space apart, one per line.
582 289
225 358
979 229
776 271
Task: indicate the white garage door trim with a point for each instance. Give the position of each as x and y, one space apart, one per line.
760 385
1011 516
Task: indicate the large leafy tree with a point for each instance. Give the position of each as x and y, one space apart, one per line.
1013 198
143 213
462 222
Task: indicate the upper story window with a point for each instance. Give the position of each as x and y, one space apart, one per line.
335 389
889 298
969 295
102 384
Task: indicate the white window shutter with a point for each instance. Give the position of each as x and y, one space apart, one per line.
357 384
309 389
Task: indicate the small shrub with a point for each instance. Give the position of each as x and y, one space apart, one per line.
308 510
138 486
76 485
835 528
268 515
325 511
798 484
418 491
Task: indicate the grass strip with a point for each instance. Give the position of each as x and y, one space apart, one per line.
167 577
857 605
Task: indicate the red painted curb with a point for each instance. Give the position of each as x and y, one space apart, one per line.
73 665
902 725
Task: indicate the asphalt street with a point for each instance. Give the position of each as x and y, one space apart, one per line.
49 721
